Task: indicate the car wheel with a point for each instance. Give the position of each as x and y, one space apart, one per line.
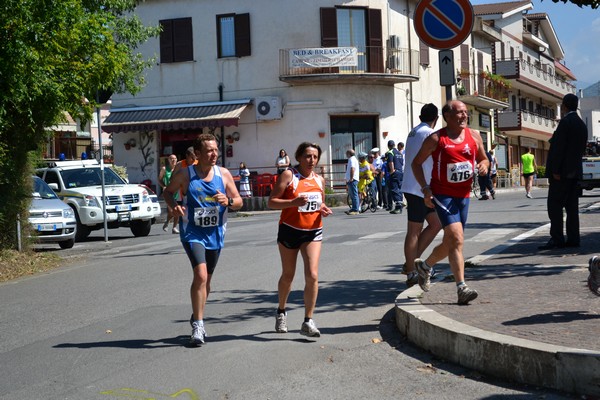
83 231
140 228
67 244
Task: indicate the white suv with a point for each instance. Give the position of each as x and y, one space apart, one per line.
52 220
79 184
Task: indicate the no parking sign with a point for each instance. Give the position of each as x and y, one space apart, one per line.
443 24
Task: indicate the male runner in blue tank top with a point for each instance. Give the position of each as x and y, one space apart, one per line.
208 190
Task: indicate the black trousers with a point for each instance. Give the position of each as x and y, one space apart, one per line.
380 200
485 184
563 194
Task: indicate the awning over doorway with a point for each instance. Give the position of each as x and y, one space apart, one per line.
178 116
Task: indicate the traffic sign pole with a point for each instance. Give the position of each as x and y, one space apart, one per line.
447 76
443 25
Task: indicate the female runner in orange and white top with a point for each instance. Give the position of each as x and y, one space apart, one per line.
299 193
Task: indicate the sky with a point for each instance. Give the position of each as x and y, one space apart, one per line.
578 31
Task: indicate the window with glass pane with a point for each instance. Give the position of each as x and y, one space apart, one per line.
351 29
227 36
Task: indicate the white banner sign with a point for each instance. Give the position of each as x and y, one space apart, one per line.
324 57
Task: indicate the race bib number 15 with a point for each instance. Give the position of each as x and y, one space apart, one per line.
314 202
459 172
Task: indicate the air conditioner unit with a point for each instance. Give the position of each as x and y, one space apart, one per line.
268 108
394 42
394 63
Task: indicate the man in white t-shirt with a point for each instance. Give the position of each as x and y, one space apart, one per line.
352 181
378 164
418 239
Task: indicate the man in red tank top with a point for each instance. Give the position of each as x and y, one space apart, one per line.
456 151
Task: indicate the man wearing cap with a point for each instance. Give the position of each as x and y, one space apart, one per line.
352 181
378 164
395 164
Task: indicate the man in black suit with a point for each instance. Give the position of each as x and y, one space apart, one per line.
564 169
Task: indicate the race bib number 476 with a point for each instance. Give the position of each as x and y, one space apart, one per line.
314 202
459 172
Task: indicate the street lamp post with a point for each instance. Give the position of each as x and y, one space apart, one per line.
102 168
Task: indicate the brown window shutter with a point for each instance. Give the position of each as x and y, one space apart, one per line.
375 40
480 69
166 41
183 49
423 53
242 35
464 65
329 36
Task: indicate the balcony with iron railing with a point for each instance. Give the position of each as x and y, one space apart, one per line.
533 79
371 65
523 120
482 90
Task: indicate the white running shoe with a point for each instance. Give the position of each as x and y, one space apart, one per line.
198 333
424 274
310 329
281 323
466 294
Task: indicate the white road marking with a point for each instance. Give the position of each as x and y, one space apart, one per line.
491 235
501 247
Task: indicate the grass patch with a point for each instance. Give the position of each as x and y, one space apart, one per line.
14 264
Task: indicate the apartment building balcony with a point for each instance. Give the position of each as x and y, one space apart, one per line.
483 28
481 90
369 65
530 124
533 79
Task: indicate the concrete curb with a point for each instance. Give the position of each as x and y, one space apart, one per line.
525 361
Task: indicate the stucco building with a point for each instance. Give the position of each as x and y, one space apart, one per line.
267 75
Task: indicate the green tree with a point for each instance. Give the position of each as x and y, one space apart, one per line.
54 57
581 3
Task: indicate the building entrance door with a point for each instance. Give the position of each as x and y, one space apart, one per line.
358 133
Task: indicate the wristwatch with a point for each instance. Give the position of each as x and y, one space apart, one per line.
230 202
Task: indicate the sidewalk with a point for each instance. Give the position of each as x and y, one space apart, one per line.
535 321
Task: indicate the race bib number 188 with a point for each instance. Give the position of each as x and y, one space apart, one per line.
459 172
314 202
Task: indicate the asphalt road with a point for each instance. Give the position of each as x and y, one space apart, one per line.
113 322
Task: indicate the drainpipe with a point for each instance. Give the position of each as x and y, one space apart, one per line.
221 129
410 84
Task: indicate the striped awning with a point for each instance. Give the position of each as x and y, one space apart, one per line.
175 117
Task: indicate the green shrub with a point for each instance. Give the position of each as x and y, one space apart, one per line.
540 171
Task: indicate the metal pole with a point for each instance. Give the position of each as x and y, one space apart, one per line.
102 173
19 246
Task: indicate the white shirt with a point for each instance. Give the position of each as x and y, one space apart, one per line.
415 140
378 163
352 163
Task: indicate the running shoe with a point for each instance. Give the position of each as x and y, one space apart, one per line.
412 279
281 323
397 210
309 329
594 278
528 195
166 225
466 294
192 325
198 333
424 274
432 273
